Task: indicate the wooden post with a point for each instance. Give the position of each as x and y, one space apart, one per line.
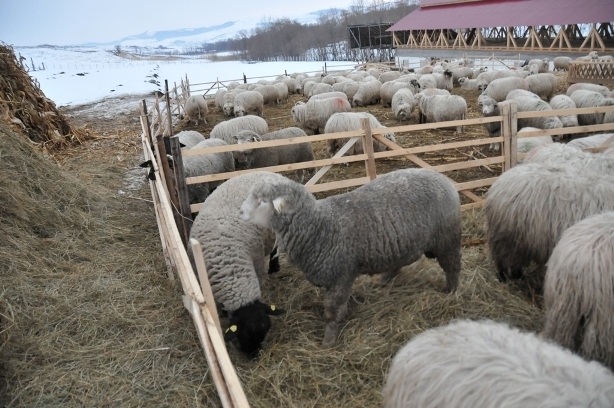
182 189
203 277
509 128
368 147
244 78
168 110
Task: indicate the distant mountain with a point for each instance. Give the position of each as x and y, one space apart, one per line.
186 37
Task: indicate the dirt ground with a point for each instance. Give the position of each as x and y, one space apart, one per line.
103 326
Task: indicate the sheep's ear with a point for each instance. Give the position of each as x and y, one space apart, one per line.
256 139
279 203
146 164
234 137
273 310
231 332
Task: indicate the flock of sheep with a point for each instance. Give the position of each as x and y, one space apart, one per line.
556 209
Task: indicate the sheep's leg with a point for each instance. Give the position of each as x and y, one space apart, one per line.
335 310
274 261
451 265
300 175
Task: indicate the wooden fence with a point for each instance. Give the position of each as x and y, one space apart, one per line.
601 73
174 212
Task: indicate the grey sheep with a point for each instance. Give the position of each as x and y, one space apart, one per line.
490 108
196 108
543 85
487 364
274 156
405 213
403 104
367 94
530 104
190 138
565 102
579 289
558 154
500 87
205 164
344 122
235 254
603 90
588 99
529 206
388 89
248 102
227 129
441 108
314 114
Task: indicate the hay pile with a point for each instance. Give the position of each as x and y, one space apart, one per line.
24 104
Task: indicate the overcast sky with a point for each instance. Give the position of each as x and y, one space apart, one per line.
65 22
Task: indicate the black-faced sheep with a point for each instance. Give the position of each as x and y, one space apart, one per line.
235 254
326 238
529 206
344 122
274 156
487 365
314 114
579 289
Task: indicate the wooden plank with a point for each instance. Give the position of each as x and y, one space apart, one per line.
368 148
182 190
472 196
320 173
393 146
468 164
335 185
438 147
561 112
506 131
203 277
283 167
568 130
471 206
469 185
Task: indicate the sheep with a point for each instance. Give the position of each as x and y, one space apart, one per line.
205 164
388 76
189 138
283 91
219 99
229 102
490 108
488 364
463 72
467 84
350 89
499 88
562 63
558 154
424 70
579 289
437 80
543 85
227 129
319 89
603 90
367 94
388 90
483 80
338 86
527 144
403 103
290 83
326 95
328 79
530 104
591 141
529 206
195 108
605 58
513 94
326 238
585 99
357 76
314 114
344 122
507 73
270 94
565 102
235 254
591 57
543 65
232 85
274 156
441 108
248 102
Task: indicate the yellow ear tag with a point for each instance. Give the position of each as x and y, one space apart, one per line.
232 328
273 307
278 204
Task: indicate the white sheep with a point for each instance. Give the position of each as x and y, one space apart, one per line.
483 80
337 238
520 92
591 141
591 57
529 206
527 144
367 94
441 108
561 63
403 103
334 94
227 129
248 102
485 364
565 102
558 154
388 89
441 80
228 101
205 164
465 72
468 84
543 65
605 58
319 89
235 254
345 122
314 114
543 85
283 91
588 99
350 89
579 289
196 108
189 138
506 73
277 155
530 104
490 108
219 99
424 70
500 87
270 94
389 76
603 90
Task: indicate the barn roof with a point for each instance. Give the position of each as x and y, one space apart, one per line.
438 14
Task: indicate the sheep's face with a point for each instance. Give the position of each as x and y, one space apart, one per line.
239 111
250 325
488 108
228 109
257 210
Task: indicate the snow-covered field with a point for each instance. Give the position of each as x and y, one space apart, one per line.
78 75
